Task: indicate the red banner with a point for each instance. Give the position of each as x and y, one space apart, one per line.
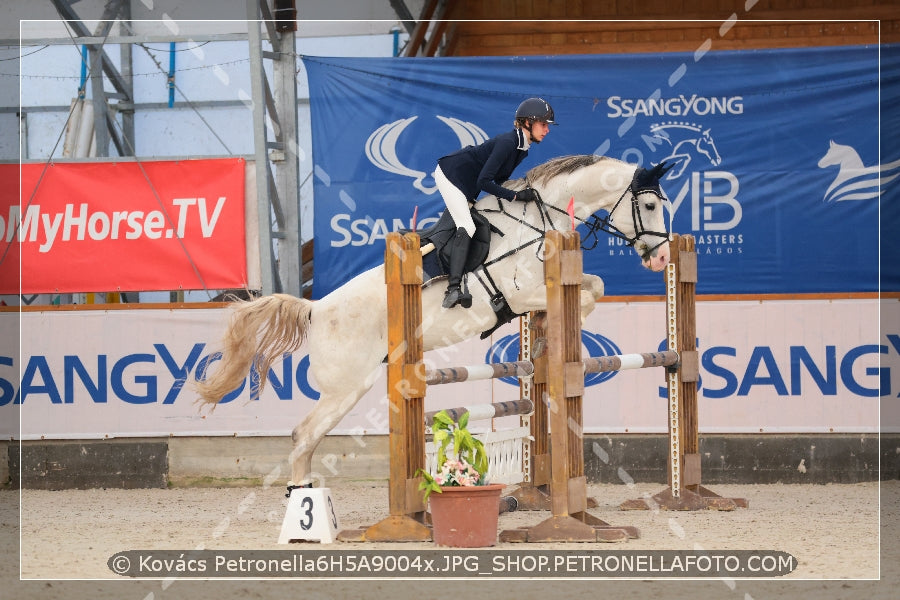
123 226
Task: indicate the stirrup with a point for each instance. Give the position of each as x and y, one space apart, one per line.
455 295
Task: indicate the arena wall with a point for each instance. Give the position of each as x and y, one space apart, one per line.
251 461
95 422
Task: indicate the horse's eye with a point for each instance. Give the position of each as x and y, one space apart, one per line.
650 206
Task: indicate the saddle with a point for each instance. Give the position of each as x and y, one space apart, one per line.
436 264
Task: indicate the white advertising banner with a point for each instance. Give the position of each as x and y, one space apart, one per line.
766 367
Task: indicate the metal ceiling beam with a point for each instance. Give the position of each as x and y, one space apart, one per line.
263 195
409 22
105 128
64 8
125 62
98 94
87 40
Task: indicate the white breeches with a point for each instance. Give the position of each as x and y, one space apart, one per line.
456 202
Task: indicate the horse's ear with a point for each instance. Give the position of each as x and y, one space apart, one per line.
649 178
655 174
661 169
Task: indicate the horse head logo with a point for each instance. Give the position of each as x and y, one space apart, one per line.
689 142
381 147
854 180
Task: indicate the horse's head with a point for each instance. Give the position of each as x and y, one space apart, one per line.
631 198
651 236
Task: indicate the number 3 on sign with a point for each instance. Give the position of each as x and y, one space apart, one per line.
310 516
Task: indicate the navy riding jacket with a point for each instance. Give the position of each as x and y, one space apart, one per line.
485 167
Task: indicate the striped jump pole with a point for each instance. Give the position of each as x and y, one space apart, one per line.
483 412
521 368
525 368
622 362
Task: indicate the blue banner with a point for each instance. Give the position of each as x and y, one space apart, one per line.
777 168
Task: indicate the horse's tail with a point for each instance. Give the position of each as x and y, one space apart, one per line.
259 332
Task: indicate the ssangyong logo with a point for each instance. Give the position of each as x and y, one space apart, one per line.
678 106
506 349
381 147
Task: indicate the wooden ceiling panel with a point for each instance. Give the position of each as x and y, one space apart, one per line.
538 27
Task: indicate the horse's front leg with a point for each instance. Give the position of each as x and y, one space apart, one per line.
592 290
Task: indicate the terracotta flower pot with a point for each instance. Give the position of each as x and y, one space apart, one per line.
466 517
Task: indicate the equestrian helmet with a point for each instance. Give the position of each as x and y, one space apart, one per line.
536 109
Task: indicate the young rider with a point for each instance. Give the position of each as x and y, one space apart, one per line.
463 175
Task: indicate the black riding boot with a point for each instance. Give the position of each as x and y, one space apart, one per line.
459 252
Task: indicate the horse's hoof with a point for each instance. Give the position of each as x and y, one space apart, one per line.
291 487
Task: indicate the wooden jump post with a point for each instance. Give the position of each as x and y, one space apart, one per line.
684 491
563 377
407 381
406 394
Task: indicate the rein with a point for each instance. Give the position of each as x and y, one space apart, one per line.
605 224
541 231
594 224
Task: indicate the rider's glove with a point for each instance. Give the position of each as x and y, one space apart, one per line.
527 195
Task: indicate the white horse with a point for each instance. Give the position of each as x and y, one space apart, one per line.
346 331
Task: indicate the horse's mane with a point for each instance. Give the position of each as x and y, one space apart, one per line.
561 166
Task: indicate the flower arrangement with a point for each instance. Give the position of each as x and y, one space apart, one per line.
466 466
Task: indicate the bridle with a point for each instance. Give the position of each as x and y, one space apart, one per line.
593 223
596 223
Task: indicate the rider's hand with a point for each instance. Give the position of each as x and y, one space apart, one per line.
527 195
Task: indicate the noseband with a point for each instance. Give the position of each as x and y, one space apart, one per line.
597 223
